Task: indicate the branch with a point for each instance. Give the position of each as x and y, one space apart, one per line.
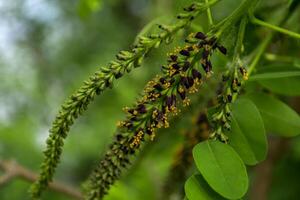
209 15
257 21
14 170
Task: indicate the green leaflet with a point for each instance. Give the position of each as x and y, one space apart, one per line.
196 188
222 168
279 79
247 135
286 86
278 117
275 75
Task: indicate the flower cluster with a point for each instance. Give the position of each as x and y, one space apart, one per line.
160 100
97 83
222 117
183 159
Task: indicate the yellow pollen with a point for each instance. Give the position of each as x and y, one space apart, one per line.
180 89
182 73
186 102
245 75
202 61
137 139
167 85
208 74
193 89
120 123
171 71
175 110
167 110
166 124
154 114
152 136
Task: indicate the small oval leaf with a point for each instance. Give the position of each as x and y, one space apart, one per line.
278 117
222 168
275 75
279 79
285 86
196 188
247 135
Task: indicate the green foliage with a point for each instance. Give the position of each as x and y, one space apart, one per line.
247 135
279 79
196 188
278 117
258 55
243 123
222 168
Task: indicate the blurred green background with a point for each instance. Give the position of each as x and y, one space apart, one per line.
47 49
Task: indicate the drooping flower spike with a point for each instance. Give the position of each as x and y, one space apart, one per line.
161 99
102 79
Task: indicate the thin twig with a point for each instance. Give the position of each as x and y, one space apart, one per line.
257 21
209 15
14 170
